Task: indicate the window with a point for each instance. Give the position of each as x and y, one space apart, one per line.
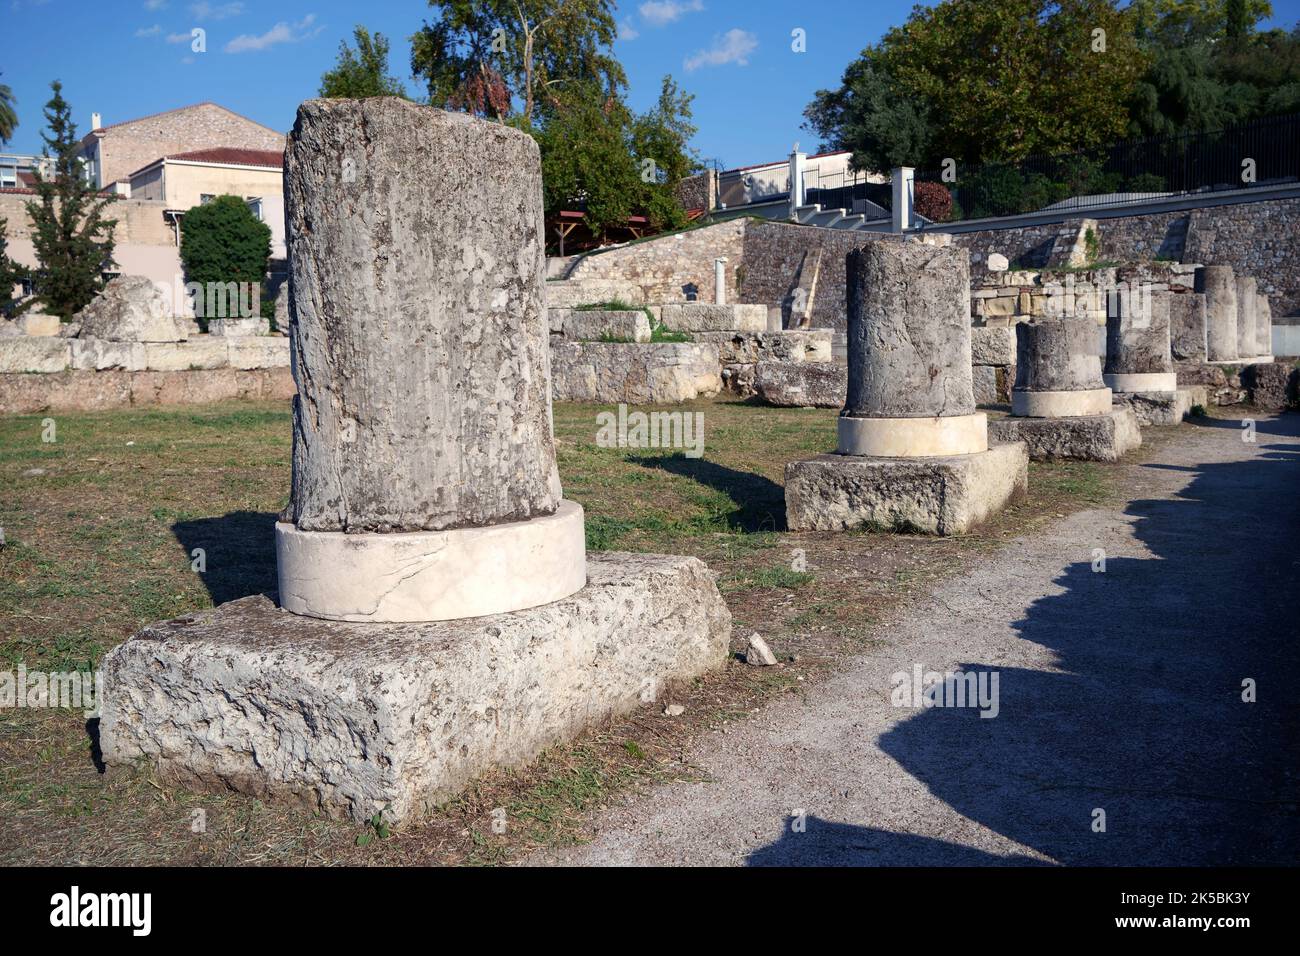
205 198
255 204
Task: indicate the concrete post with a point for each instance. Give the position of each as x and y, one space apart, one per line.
720 281
904 181
798 165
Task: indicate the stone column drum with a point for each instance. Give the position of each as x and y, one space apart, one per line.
1138 354
909 348
1263 326
1058 371
1220 288
1246 317
1187 327
424 478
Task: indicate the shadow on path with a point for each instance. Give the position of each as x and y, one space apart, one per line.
1145 720
823 843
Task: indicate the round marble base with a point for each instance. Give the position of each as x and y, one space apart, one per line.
432 575
913 437
1142 382
1088 401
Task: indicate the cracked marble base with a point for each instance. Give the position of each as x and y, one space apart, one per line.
1028 403
432 575
359 718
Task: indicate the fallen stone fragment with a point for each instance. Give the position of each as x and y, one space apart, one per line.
674 710
758 654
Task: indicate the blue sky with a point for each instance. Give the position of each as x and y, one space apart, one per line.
128 58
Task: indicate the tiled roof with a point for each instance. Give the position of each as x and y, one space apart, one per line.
232 155
228 155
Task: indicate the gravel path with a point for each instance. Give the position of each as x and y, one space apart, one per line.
1118 692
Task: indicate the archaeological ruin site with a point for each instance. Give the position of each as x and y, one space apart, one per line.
463 468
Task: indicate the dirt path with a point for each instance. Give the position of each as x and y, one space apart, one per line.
1117 691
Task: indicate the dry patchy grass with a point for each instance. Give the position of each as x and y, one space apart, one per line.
102 525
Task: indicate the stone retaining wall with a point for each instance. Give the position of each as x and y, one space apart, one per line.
97 391
670 268
659 373
764 256
51 354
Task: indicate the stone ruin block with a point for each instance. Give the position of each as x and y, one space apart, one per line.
702 317
1219 285
1188 329
437 616
912 450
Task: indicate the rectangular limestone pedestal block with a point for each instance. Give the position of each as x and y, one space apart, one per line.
942 495
1157 408
356 719
1085 437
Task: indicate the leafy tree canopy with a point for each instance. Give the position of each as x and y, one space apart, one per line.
363 71
8 118
598 156
492 56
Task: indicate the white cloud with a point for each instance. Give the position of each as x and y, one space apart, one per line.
661 12
207 11
627 32
734 46
179 37
154 4
152 31
282 32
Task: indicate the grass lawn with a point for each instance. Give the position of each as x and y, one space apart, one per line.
105 528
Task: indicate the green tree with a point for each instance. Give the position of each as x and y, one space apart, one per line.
1177 22
1178 92
223 242
984 81
1010 78
11 273
1209 68
661 136
8 118
72 239
871 116
587 161
361 72
484 55
600 157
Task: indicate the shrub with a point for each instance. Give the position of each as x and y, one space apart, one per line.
933 201
221 242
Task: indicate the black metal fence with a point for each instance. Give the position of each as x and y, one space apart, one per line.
1258 153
